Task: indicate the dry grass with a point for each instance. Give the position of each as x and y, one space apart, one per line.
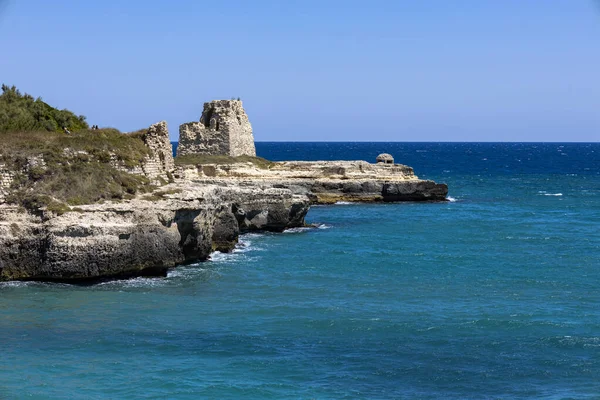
223 160
83 174
99 144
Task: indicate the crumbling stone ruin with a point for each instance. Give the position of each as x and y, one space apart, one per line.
160 161
6 179
224 129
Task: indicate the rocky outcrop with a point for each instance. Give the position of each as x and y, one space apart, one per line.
325 182
224 129
140 237
203 209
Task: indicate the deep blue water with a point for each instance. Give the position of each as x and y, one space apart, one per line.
493 295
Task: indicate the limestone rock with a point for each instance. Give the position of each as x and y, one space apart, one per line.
224 129
324 182
140 237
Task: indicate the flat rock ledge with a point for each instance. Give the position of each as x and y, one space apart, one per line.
324 182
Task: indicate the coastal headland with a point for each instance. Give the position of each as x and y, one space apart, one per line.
99 204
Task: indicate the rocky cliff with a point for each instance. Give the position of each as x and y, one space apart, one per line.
224 129
194 209
180 224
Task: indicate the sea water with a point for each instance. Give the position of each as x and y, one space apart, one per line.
494 294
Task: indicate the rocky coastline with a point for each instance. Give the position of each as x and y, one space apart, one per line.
184 223
194 210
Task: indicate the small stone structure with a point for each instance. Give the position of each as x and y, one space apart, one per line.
385 158
224 129
6 179
160 162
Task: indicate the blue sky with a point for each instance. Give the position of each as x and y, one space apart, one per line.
426 70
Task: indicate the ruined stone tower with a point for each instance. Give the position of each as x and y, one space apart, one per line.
224 129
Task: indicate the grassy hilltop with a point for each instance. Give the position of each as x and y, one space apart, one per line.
58 170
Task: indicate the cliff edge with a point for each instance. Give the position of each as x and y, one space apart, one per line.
99 204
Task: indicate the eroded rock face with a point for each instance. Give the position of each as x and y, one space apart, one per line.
224 129
140 237
196 215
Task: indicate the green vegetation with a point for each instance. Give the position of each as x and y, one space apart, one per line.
21 113
57 170
194 159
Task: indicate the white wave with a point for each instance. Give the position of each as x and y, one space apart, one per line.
39 284
244 245
218 257
16 284
242 248
139 282
185 271
307 228
343 203
297 230
451 199
552 194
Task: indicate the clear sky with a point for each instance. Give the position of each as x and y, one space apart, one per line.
307 70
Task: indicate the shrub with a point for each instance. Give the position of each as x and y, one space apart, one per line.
21 112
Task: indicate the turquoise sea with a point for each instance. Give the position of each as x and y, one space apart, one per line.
493 295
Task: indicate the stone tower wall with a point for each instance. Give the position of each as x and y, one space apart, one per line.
194 138
160 163
6 179
224 129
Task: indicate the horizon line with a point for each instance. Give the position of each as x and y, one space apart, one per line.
408 141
